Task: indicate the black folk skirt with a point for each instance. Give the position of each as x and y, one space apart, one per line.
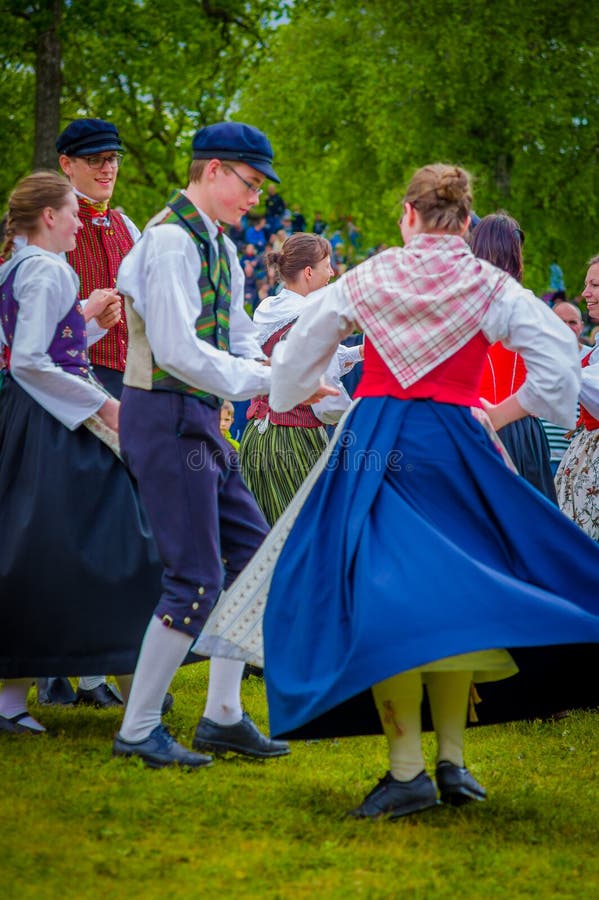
79 570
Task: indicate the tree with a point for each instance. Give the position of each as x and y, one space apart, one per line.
370 92
157 70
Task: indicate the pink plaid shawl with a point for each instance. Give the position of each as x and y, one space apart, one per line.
421 303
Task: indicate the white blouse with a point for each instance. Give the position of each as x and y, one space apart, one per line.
589 392
279 310
523 323
46 287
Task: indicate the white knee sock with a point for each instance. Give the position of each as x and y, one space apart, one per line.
91 682
448 694
223 703
13 700
398 701
162 652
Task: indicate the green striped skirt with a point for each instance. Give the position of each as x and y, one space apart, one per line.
275 463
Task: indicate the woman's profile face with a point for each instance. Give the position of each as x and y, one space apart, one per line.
321 274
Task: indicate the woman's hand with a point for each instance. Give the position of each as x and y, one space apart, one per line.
103 305
109 413
501 414
323 391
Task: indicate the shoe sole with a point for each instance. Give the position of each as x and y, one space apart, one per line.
223 749
460 797
397 814
92 705
156 764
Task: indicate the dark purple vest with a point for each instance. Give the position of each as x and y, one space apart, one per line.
68 348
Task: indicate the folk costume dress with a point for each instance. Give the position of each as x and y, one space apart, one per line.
525 439
441 557
577 478
79 571
279 449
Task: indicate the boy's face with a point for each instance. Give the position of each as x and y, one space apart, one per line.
236 188
226 418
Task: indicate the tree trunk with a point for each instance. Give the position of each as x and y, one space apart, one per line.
48 85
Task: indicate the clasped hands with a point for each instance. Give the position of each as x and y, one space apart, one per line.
103 305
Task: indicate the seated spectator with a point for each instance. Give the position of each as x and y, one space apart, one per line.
558 438
319 226
237 235
572 316
276 240
275 207
298 223
250 262
256 234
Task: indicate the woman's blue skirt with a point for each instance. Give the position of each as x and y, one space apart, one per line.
79 571
417 543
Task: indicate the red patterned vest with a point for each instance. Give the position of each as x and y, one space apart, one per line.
586 419
96 259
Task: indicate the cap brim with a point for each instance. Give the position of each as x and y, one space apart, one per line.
89 150
264 167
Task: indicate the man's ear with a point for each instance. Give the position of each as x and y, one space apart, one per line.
65 164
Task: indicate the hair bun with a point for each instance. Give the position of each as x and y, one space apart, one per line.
453 185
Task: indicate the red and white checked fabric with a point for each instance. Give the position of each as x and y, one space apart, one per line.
421 303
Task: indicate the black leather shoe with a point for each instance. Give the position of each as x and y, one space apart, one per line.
160 749
55 691
13 725
167 704
243 737
391 799
456 784
103 696
249 669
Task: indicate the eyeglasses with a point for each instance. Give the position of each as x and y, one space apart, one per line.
251 187
98 162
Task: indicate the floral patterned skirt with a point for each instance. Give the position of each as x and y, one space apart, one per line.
577 482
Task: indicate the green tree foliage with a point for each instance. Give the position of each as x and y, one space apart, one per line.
356 96
158 70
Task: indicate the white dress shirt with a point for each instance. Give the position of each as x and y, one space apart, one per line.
160 275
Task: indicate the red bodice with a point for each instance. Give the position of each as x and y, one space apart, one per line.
456 380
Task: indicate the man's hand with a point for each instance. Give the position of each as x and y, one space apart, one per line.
109 413
103 305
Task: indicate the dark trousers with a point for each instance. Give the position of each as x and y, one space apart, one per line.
206 523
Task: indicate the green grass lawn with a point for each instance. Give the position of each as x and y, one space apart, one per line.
74 822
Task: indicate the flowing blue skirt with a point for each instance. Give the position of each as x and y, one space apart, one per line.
416 544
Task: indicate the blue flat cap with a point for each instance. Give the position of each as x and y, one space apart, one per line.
83 137
235 141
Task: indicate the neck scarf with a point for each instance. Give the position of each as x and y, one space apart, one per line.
420 304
